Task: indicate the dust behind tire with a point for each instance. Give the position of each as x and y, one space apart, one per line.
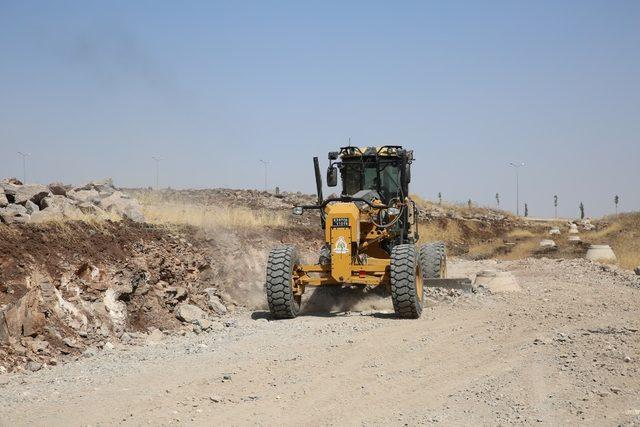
433 260
407 292
283 304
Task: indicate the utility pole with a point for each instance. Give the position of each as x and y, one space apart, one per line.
24 166
157 159
266 168
517 167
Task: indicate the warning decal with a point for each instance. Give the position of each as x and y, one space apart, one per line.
341 246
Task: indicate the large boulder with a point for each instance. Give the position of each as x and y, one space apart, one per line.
58 189
104 186
62 205
93 210
4 202
20 194
24 318
14 181
14 214
83 196
120 204
214 302
190 313
31 207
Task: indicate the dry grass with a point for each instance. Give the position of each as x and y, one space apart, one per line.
623 235
211 217
449 232
520 233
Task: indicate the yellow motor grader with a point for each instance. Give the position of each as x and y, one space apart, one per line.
370 234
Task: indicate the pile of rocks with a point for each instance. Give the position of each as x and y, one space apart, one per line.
430 212
21 203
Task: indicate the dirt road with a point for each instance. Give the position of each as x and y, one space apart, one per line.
565 350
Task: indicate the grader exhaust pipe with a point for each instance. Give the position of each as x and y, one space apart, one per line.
316 167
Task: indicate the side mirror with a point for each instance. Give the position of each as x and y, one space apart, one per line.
407 173
332 176
333 155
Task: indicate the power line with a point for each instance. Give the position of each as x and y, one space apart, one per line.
157 159
517 167
24 166
266 168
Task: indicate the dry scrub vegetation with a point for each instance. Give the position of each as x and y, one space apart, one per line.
461 208
212 216
622 233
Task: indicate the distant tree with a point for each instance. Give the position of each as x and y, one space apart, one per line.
616 200
555 204
497 200
581 210
526 210
469 203
439 198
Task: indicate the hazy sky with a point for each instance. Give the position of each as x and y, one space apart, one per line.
94 89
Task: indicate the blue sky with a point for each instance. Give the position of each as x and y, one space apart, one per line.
93 89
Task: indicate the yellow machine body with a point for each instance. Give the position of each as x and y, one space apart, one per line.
353 240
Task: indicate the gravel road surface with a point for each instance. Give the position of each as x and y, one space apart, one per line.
564 350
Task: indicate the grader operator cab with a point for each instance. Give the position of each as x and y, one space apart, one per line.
370 233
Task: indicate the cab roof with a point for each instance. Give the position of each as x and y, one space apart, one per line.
382 151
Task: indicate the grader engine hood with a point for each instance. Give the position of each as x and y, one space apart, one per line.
342 234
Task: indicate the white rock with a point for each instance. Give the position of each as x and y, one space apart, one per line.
83 196
190 313
214 302
497 281
62 205
547 243
121 205
31 207
14 214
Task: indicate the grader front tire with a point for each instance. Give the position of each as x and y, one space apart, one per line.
407 292
283 304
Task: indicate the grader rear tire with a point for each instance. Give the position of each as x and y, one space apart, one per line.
433 260
407 291
283 304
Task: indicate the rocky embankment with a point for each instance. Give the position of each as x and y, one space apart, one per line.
69 291
22 203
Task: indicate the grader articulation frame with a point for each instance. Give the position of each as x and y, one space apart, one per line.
370 235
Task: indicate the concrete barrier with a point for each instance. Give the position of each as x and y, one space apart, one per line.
601 253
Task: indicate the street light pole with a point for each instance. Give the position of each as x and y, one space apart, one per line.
157 159
266 164
24 166
517 167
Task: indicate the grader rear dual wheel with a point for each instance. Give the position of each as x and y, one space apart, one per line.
433 260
